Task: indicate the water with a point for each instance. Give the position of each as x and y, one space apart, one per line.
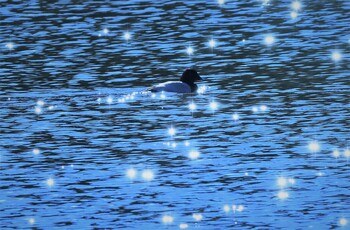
83 148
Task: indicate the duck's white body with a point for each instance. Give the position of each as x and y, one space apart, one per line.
172 86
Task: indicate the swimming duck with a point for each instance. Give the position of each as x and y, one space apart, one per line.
185 85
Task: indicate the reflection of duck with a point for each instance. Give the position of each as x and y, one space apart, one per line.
185 85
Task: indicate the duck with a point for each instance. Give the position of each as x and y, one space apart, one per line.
185 85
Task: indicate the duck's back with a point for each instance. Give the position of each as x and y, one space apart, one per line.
172 86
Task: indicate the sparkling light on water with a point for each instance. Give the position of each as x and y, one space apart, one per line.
269 40
31 221
212 43
265 2
131 173
183 226
197 216
105 31
147 175
347 153
162 95
171 131
227 208
255 109
192 106
235 117
193 155
36 151
336 56
343 222
238 208
282 182
202 89
221 2
291 181
263 108
50 182
127 36
213 105
189 50
109 100
167 219
38 110
294 14
336 153
314 146
40 103
10 45
282 195
296 5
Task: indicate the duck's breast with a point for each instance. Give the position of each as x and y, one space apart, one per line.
172 86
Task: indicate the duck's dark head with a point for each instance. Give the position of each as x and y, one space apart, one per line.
190 76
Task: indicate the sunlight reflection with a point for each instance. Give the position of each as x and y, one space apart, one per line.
282 182
282 195
192 106
255 109
227 208
40 103
171 131
10 45
336 56
296 5
167 219
294 14
269 40
238 208
265 2
212 43
202 89
235 117
263 108
189 50
36 151
183 226
193 155
109 99
50 182
213 105
105 31
147 175
314 146
221 2
197 216
336 153
131 173
291 181
343 222
31 221
38 110
127 36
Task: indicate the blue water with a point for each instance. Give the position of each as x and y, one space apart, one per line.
74 118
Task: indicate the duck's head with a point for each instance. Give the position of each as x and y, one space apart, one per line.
190 76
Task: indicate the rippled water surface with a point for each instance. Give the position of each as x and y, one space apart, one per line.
83 147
